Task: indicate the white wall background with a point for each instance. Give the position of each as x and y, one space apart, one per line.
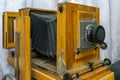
109 18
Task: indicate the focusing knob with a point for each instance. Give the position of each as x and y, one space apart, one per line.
107 61
67 76
103 46
95 34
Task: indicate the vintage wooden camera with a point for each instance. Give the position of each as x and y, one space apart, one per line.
57 45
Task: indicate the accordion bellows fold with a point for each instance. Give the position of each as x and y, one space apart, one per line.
43 33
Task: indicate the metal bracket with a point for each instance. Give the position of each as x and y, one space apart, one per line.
61 66
17 51
60 8
77 50
91 66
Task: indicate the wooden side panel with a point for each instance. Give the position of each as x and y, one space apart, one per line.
8 29
98 74
109 76
40 74
61 33
23 29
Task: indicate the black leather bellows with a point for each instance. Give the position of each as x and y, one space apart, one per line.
43 33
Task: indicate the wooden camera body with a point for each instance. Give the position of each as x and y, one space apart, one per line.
76 57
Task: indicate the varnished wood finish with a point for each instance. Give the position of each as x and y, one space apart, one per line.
8 29
108 77
41 74
27 11
96 74
101 73
23 28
